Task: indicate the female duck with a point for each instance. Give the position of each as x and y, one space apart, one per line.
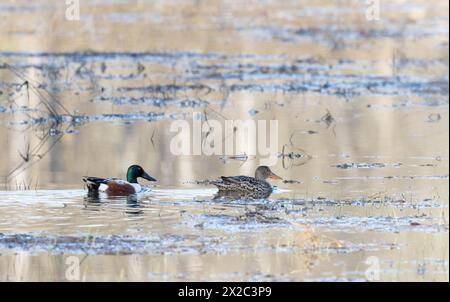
115 186
246 184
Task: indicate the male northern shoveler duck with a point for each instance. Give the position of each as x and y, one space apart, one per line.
245 184
115 186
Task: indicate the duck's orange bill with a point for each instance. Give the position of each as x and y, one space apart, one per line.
274 176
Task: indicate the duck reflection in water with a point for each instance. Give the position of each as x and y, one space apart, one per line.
242 195
93 202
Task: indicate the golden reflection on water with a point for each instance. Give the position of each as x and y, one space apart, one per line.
398 125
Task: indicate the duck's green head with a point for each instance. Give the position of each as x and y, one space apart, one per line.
136 171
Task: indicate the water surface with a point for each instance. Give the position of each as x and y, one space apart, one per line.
363 141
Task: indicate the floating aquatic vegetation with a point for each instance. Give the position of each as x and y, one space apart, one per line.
156 101
410 104
434 117
253 112
292 181
328 119
293 157
108 245
359 165
316 216
242 157
90 74
81 119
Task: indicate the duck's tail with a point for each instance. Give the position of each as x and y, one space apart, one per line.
93 183
222 184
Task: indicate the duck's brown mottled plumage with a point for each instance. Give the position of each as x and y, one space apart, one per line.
246 184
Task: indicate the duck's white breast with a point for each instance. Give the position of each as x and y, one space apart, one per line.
102 187
137 187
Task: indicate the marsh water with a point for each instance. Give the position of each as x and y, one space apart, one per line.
362 111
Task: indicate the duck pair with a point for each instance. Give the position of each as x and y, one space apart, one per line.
257 185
